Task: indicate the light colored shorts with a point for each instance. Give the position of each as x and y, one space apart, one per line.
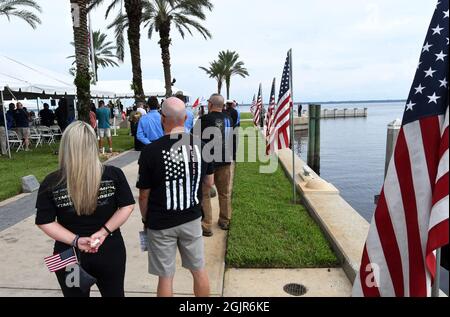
163 244
23 133
104 133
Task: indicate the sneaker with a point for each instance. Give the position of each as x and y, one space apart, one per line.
110 151
224 226
207 233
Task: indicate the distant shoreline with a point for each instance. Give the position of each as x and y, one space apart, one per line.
353 101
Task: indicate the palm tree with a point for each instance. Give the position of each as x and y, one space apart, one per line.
231 65
161 15
103 52
82 78
10 8
132 21
216 71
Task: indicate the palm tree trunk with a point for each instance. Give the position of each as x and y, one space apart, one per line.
219 87
134 13
228 83
83 78
164 42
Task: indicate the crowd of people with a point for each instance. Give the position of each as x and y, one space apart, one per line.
84 204
20 120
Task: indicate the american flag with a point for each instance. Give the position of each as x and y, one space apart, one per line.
270 117
182 182
258 109
196 103
253 107
280 134
60 261
411 219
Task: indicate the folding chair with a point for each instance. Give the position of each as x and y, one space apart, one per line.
14 140
56 131
35 135
46 134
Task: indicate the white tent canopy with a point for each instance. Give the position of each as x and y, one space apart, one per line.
122 88
28 78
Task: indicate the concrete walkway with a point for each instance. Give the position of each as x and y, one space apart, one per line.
23 247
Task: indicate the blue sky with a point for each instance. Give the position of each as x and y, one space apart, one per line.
342 49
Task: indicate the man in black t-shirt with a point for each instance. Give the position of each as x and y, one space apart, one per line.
47 116
171 174
216 131
22 125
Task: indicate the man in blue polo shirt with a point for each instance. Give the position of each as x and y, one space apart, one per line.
150 127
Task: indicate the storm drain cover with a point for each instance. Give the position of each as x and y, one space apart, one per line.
295 289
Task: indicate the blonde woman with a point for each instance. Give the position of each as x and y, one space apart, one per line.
83 205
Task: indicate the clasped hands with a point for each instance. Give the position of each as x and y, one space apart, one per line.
93 243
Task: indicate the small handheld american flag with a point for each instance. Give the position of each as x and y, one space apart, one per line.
61 261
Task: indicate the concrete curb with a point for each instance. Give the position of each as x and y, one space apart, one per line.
343 226
13 199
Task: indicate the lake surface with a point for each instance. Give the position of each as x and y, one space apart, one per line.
353 154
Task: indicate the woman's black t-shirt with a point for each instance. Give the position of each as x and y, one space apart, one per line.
53 203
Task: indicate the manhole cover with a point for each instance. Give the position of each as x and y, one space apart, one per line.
295 289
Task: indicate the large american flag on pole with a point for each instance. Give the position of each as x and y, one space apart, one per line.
253 107
270 118
258 108
411 219
280 131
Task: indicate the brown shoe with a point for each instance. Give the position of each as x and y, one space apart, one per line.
224 226
207 233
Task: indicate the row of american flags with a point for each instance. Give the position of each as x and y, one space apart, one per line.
277 118
411 221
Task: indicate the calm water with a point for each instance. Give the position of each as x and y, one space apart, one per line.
353 154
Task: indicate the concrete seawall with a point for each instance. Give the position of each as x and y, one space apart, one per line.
344 227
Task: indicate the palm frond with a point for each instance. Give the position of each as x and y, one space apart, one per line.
21 9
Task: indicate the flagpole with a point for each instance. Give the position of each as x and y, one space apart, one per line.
6 123
437 278
294 187
261 109
91 37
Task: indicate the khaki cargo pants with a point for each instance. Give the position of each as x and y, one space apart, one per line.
223 178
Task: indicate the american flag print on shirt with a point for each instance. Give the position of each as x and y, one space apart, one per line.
182 181
411 219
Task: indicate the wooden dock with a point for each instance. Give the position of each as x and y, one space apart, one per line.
341 113
302 123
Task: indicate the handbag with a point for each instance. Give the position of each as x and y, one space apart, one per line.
86 280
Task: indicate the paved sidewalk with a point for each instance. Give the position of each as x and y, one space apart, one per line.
23 247
24 272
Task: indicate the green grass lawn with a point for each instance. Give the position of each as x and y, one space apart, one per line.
268 231
40 162
246 116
